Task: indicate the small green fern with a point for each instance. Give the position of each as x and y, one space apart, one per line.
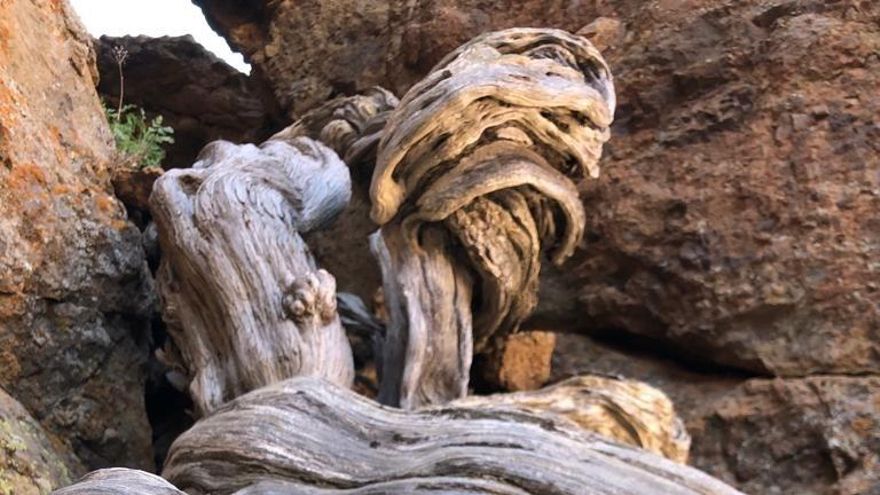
139 140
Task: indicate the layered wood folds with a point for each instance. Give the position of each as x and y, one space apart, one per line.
629 412
350 125
306 436
474 180
244 302
120 481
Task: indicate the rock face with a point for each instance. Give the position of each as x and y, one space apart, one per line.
30 462
344 46
822 432
734 215
737 218
199 95
74 289
800 436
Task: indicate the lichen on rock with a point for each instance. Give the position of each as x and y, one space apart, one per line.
75 292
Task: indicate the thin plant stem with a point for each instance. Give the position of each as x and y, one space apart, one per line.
121 89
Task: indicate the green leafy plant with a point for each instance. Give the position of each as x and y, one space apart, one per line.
139 139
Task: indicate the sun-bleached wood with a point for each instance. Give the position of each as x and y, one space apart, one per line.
474 180
120 481
244 302
305 435
350 125
626 411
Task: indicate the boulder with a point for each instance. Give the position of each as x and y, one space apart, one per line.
75 293
522 361
736 218
817 435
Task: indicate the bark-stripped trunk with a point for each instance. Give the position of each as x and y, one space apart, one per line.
120 481
244 302
308 436
629 412
351 126
474 180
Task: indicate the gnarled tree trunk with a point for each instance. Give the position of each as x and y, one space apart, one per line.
308 436
474 180
350 125
244 302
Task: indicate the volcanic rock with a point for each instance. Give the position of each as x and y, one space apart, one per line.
75 293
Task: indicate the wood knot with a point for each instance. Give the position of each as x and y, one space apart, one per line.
310 298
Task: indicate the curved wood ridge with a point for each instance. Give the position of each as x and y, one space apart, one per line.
480 159
626 411
120 481
244 302
305 435
350 125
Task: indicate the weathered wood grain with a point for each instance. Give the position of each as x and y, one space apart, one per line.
350 125
306 435
120 481
474 180
244 302
625 411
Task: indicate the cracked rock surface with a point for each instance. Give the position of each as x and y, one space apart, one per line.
75 293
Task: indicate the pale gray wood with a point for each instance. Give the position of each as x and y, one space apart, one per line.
625 411
244 302
308 436
474 180
350 125
446 485
120 481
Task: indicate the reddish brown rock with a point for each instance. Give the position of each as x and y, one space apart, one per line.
816 435
521 362
74 290
794 436
735 217
133 186
346 46
199 95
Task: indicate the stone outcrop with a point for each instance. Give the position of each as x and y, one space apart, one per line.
801 436
74 289
345 46
733 218
199 95
31 463
737 218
